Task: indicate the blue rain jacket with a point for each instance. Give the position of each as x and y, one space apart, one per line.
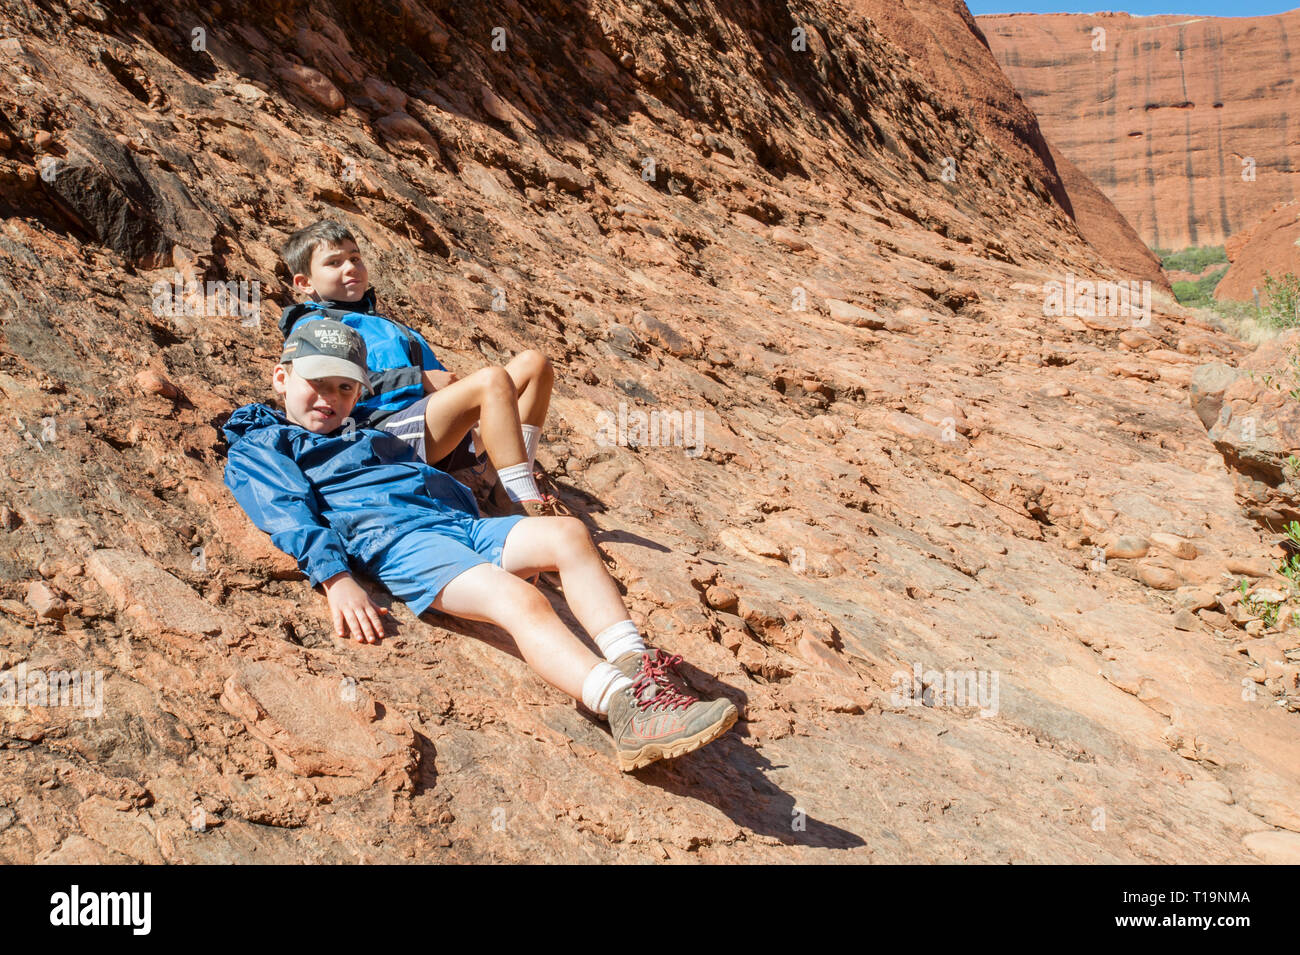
326 497
396 356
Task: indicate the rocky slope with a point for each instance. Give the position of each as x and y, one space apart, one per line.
906 468
1166 118
949 50
1271 245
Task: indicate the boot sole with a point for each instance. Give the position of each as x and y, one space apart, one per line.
652 752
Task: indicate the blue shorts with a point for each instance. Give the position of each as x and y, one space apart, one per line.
416 566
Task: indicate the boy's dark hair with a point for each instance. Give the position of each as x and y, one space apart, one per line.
297 251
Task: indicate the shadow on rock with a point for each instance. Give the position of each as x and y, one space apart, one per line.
732 776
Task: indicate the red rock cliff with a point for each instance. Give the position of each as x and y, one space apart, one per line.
946 46
1271 245
1165 118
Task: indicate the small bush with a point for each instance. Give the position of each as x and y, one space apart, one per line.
1281 300
1290 566
1278 310
1200 293
1192 259
1265 610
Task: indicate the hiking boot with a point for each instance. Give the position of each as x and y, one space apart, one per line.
546 507
650 720
630 664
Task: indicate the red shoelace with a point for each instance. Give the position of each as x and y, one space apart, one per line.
654 672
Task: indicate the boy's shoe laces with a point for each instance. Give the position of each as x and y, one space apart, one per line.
554 507
654 673
479 468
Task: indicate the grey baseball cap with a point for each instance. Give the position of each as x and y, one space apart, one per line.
325 347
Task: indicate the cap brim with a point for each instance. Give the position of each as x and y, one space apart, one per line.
323 366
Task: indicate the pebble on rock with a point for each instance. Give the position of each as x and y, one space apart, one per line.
153 383
1127 547
46 603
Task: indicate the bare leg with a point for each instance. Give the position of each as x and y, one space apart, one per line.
492 595
488 396
534 377
563 544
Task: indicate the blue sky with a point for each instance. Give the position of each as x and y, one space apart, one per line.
1211 8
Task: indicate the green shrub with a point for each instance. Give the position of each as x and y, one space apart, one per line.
1280 305
1200 293
1192 259
1290 566
1265 610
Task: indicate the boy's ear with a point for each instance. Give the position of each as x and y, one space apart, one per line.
279 377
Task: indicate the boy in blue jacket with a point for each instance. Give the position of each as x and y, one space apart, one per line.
412 395
334 496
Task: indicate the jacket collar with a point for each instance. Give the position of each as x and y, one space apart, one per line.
295 313
366 305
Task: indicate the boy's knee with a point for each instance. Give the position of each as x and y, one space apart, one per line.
573 533
497 382
535 363
523 597
513 596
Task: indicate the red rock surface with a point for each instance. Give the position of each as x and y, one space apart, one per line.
917 471
1162 119
1271 245
947 47
1105 229
1255 423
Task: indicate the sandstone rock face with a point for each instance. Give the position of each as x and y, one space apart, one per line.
889 545
1271 245
1257 426
1165 118
317 726
1105 228
945 44
1207 387
1275 846
154 599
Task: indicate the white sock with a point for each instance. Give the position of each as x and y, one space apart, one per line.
519 483
601 683
532 437
618 638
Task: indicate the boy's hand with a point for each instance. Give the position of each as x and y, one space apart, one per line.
353 610
433 380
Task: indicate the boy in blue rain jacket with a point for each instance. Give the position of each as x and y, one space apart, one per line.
336 497
411 394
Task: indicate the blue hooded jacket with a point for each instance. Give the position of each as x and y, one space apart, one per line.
396 356
326 497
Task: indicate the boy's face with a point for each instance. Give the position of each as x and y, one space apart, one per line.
337 272
318 404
